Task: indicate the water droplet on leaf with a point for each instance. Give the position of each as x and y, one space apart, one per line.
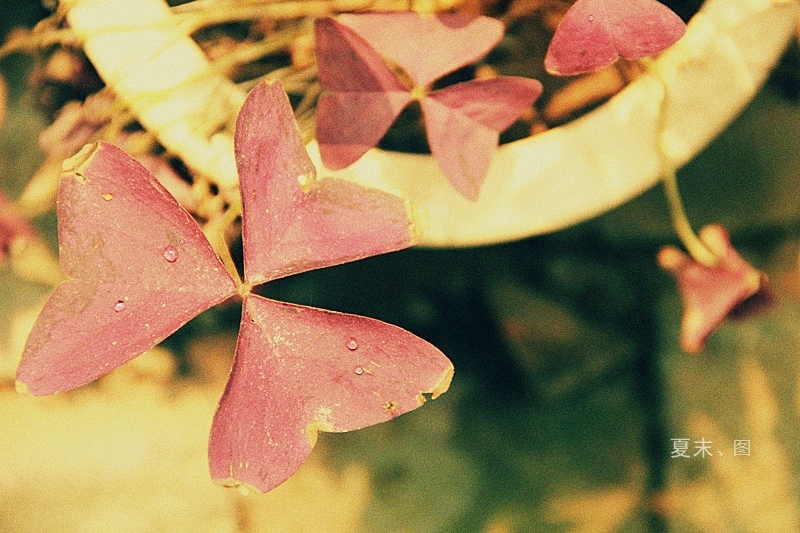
591 18
305 182
352 344
171 253
359 370
108 196
119 306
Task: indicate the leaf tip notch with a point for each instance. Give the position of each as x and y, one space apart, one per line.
441 386
321 422
74 164
230 482
444 383
21 387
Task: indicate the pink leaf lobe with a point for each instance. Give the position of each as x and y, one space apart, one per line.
362 96
464 122
293 222
410 39
118 231
300 370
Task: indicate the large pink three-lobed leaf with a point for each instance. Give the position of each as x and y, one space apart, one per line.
363 96
595 33
140 267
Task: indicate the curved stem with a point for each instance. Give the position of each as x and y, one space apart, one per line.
214 230
680 222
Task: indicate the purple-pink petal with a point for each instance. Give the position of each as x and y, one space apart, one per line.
731 288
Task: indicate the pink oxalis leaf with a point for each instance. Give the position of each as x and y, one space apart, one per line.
595 33
463 121
140 267
300 370
731 288
295 221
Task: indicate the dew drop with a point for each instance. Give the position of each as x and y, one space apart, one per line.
305 182
108 196
591 18
359 370
119 306
171 253
352 344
